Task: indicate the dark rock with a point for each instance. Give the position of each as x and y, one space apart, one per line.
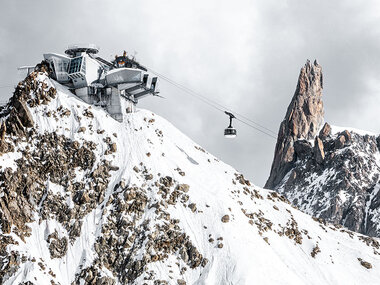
325 131
225 219
319 153
315 251
302 148
166 181
346 135
340 142
365 263
149 176
193 207
81 129
24 114
183 188
57 247
113 147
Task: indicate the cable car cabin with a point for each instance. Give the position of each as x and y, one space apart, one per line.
230 132
97 81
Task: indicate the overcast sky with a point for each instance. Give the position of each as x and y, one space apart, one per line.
244 54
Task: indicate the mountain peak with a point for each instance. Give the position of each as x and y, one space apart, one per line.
337 178
303 119
87 199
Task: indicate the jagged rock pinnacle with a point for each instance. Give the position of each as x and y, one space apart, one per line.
302 121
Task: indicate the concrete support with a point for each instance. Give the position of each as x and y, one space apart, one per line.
82 93
111 96
114 105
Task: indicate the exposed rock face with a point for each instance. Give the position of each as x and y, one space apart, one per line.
302 121
325 131
337 179
319 153
50 161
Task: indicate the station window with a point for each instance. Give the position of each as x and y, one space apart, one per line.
75 65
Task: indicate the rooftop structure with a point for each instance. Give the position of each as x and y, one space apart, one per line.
100 82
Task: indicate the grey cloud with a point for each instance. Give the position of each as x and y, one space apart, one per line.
243 54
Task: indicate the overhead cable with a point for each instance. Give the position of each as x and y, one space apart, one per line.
217 105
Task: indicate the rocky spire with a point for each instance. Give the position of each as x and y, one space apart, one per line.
302 121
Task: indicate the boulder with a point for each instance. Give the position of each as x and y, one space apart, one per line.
365 264
325 131
225 219
24 114
81 129
113 147
346 135
340 142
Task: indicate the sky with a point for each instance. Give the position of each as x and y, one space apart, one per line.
245 55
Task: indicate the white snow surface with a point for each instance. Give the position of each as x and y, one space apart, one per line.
246 258
336 129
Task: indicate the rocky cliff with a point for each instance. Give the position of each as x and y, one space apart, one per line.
302 121
85 199
333 174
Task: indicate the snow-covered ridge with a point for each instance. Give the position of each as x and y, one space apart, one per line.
337 129
169 212
340 187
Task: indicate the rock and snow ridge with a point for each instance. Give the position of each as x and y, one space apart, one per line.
87 200
333 174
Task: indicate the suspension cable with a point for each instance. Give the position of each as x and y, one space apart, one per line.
216 105
209 102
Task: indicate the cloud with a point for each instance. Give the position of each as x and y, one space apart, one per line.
244 54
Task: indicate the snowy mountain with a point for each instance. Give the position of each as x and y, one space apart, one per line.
85 199
328 172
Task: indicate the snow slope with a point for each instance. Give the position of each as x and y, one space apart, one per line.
265 241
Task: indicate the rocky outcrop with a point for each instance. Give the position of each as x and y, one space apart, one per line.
302 121
337 178
57 246
53 162
319 153
126 236
340 186
47 159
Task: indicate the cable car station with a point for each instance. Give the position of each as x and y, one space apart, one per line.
100 82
